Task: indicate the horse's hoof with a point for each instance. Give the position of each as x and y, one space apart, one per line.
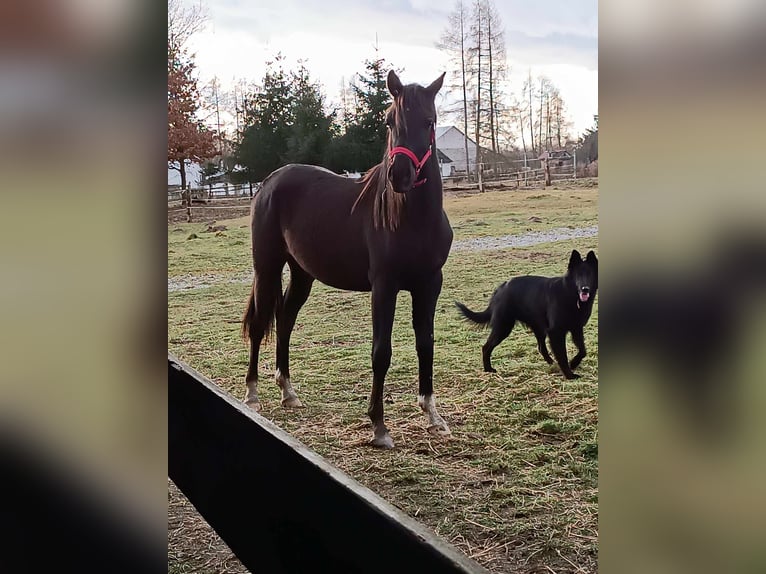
255 405
292 403
384 442
442 431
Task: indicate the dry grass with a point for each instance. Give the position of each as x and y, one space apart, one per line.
516 488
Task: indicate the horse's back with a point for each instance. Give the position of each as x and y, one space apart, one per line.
308 209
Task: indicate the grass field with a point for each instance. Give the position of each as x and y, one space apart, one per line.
516 487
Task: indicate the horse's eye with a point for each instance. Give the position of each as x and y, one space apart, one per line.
429 123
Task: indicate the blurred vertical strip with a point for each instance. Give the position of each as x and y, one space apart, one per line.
682 220
82 290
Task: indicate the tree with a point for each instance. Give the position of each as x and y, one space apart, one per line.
267 124
185 20
188 140
528 91
285 122
310 130
475 41
454 40
589 142
497 67
369 124
560 123
360 143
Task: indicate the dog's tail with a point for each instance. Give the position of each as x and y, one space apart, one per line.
481 318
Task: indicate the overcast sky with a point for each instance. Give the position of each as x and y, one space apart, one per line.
558 38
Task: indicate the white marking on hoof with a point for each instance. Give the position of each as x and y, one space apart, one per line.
383 441
437 425
290 400
251 396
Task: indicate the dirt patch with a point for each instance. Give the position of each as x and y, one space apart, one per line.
193 545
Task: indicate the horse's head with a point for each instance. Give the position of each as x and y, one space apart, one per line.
410 120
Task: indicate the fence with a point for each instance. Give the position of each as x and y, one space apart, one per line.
214 191
279 506
524 172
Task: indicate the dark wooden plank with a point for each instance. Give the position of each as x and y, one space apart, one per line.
278 505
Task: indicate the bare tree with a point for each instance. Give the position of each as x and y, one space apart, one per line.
527 92
185 20
561 124
477 29
497 67
454 40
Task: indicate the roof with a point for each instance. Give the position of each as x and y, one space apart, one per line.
441 130
443 157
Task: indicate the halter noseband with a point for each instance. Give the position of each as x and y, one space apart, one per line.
419 163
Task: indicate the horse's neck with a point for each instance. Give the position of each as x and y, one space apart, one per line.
425 202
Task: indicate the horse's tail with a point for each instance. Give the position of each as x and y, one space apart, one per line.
481 318
262 303
249 315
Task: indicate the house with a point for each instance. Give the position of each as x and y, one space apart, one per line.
446 165
193 176
451 143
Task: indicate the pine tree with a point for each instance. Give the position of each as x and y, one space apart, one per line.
310 129
267 124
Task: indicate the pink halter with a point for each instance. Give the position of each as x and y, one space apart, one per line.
419 163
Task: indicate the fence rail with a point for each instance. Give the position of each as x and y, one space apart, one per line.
523 172
279 506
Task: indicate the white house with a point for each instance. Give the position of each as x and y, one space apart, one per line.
451 143
193 175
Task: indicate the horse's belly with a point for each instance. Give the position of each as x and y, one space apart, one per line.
342 266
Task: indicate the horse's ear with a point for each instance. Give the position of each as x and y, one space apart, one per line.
436 85
394 84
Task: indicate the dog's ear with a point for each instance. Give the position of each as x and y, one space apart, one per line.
591 258
575 258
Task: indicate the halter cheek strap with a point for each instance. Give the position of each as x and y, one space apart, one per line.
419 163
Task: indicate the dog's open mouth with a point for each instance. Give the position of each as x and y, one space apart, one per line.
584 296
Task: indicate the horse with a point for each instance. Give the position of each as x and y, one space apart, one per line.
384 233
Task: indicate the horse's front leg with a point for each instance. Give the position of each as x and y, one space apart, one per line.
383 308
423 308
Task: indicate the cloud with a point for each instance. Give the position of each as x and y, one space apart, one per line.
555 48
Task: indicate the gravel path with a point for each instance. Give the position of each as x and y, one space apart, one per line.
523 240
185 282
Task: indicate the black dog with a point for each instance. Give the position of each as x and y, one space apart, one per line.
551 306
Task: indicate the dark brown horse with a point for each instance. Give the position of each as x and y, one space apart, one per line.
385 233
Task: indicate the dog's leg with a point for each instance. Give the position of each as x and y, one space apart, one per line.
579 341
540 335
496 337
559 348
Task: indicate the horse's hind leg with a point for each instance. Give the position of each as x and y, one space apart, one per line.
295 296
258 321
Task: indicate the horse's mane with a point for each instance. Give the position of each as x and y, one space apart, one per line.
387 205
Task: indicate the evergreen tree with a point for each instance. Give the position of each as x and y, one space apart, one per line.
268 120
310 130
366 133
